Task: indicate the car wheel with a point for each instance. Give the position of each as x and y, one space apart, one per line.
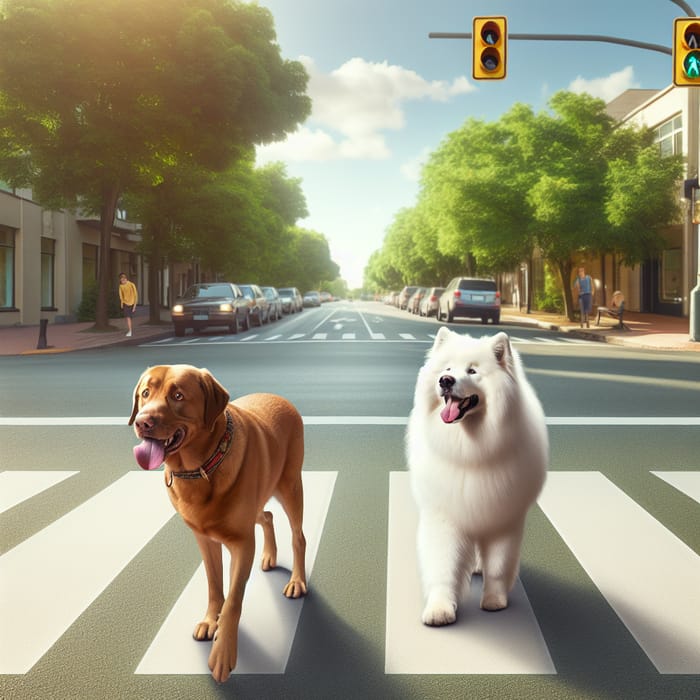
484 319
179 330
233 327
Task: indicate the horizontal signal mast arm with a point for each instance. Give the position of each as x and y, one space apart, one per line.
563 37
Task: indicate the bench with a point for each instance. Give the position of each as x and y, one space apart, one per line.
616 311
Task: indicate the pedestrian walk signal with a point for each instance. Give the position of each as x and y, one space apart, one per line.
686 51
489 42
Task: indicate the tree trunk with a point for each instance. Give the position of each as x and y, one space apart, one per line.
110 195
153 282
564 268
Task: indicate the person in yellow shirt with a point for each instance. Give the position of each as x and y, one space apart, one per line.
128 296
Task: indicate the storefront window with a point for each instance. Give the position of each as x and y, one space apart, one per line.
7 268
48 246
671 276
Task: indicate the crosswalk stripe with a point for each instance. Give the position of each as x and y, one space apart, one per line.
248 337
320 336
18 486
274 337
407 336
649 577
349 336
81 552
268 622
686 482
479 642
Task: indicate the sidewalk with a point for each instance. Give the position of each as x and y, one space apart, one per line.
648 331
67 337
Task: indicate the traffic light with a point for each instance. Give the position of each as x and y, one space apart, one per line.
686 51
489 42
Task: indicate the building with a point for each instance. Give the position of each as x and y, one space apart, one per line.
48 259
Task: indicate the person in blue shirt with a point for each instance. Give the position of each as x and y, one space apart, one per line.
583 285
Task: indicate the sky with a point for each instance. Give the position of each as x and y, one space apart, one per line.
385 95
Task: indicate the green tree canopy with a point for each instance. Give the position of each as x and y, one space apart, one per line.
102 98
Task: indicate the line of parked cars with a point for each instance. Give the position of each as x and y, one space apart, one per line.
463 297
234 306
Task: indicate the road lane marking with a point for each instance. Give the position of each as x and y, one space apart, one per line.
649 576
320 336
268 622
81 552
686 482
407 336
509 641
18 486
349 336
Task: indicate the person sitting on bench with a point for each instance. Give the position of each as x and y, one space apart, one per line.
616 310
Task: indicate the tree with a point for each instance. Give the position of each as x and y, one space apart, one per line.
102 99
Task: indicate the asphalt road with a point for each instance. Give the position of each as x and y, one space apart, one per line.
99 582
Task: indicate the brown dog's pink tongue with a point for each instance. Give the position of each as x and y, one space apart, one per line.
450 413
149 454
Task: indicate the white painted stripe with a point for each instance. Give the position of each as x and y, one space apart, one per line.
686 482
191 341
407 336
349 336
575 341
268 622
649 577
377 336
361 420
80 553
215 338
273 337
296 335
16 486
247 338
479 642
320 336
546 341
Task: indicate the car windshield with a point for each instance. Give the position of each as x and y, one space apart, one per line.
285 292
209 290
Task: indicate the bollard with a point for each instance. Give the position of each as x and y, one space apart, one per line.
41 345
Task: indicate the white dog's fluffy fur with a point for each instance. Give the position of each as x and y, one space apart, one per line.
477 451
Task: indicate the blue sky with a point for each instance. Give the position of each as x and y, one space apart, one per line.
385 95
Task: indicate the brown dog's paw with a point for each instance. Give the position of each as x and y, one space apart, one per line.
269 561
296 588
222 659
205 630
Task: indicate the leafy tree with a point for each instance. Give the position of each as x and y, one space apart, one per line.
102 99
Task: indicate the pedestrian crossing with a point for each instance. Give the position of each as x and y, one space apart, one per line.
340 337
647 575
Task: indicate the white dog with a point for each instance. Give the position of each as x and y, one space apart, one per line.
477 450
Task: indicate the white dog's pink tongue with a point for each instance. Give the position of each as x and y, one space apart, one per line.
450 413
150 454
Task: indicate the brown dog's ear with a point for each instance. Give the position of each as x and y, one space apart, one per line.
216 398
135 408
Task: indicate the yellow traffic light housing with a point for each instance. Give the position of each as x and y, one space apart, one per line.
489 42
686 51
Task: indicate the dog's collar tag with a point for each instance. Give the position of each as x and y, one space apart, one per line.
213 462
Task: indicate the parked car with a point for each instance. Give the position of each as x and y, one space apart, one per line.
404 296
274 302
292 300
312 299
211 304
414 300
326 297
469 297
429 302
257 303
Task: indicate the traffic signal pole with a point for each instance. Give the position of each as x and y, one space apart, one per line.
693 130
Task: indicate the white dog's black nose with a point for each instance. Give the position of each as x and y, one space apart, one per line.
446 382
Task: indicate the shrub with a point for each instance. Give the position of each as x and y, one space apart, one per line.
88 304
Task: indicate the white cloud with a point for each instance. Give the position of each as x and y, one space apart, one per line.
412 168
352 108
607 88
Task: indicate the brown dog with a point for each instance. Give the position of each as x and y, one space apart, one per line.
223 461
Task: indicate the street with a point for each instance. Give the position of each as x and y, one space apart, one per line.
100 581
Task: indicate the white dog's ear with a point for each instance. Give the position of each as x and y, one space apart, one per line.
500 343
440 338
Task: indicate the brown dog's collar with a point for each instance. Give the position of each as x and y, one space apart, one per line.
213 462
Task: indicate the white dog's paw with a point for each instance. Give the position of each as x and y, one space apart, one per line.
494 601
439 610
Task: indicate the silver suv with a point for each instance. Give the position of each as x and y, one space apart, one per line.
469 297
